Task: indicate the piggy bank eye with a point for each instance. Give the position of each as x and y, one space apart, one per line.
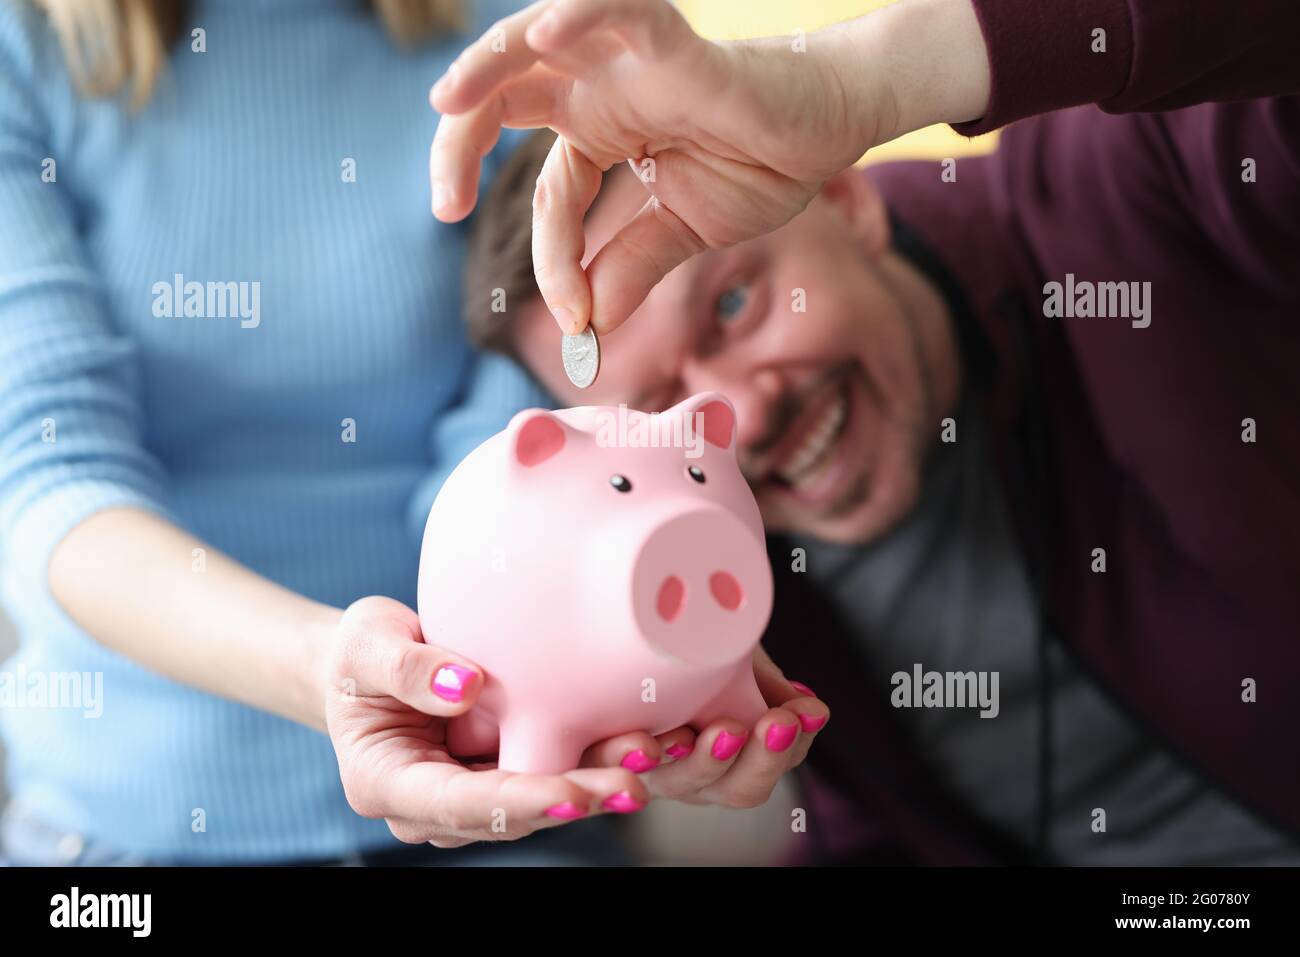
620 483
696 473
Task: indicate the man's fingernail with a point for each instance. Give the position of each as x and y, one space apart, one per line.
440 196
678 750
447 79
727 744
639 761
566 811
450 682
803 689
811 722
622 803
781 736
545 24
568 322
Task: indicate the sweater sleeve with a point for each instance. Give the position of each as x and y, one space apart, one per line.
1133 55
70 418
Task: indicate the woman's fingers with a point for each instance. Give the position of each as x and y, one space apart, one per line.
637 751
441 800
428 796
699 763
677 744
566 188
648 247
734 767
614 790
795 697
382 653
773 685
767 754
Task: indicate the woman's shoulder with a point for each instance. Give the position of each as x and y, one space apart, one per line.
26 42
24 27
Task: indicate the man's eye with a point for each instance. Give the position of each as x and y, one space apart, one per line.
732 302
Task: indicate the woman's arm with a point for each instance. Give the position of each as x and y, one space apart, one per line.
174 604
84 522
82 500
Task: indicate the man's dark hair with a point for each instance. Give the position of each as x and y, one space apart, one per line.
500 261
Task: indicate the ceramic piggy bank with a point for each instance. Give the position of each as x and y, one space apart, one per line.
606 568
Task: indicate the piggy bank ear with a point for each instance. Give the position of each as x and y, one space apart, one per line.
535 435
714 415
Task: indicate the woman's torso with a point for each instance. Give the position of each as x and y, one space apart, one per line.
284 170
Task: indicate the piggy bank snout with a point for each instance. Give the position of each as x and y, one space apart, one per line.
702 587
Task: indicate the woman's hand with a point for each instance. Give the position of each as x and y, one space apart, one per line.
731 140
387 706
727 763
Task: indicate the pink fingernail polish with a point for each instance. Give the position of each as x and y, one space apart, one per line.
781 736
566 811
639 761
727 744
812 722
678 751
622 803
803 689
450 682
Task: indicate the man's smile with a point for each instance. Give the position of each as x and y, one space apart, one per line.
815 458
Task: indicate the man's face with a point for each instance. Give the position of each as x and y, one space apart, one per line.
818 335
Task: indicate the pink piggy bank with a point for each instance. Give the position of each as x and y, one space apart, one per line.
607 570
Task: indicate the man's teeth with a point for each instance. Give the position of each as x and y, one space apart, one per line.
820 440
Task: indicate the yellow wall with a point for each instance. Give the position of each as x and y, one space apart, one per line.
731 19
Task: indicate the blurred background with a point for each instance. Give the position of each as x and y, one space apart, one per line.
670 833
737 19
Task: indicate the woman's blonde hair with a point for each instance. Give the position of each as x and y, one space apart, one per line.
111 44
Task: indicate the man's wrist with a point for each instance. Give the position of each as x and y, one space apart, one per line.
859 80
914 64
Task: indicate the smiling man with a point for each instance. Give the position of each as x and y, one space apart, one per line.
837 399
871 348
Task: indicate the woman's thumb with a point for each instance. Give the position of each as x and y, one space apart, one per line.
385 654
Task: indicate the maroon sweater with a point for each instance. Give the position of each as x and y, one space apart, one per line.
1140 430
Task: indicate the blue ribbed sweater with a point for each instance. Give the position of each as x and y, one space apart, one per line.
235 173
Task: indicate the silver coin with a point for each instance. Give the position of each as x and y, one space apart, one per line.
581 357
